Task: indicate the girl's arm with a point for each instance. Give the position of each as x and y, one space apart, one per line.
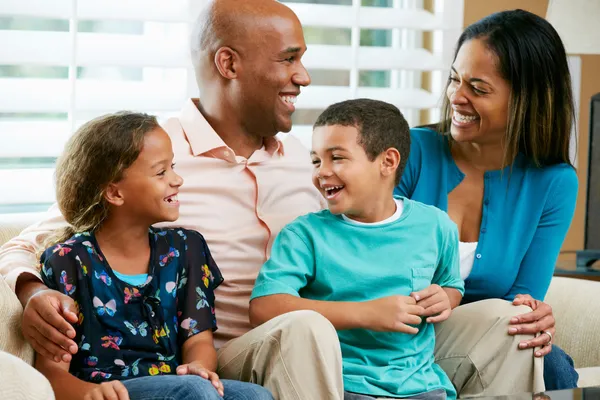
201 350
64 385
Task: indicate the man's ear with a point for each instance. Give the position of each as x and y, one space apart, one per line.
227 62
390 160
113 195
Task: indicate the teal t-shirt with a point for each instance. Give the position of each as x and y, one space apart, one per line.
320 256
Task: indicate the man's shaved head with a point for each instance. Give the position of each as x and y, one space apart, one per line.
233 23
247 59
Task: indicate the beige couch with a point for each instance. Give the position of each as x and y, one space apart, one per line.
576 305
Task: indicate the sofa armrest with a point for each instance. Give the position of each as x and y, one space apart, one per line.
576 305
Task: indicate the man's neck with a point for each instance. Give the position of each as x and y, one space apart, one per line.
230 130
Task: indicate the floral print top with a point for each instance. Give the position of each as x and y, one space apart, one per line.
127 331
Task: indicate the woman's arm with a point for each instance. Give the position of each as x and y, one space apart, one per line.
537 267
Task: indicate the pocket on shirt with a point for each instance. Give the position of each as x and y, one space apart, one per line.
422 277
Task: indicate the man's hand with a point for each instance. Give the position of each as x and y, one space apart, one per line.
392 314
195 368
46 324
113 390
435 301
539 322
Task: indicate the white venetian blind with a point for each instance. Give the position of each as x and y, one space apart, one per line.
63 62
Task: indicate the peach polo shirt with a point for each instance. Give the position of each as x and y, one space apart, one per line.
239 205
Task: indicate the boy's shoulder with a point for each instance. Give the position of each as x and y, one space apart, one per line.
311 224
431 214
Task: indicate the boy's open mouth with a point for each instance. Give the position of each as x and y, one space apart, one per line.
332 191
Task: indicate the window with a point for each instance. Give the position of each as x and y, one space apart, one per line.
66 61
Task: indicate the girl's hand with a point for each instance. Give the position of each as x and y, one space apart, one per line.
539 322
113 390
195 368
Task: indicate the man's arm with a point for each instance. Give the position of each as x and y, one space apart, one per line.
46 313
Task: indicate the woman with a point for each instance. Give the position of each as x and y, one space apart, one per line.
502 171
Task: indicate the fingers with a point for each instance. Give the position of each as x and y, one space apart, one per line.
54 327
425 293
542 341
414 310
56 352
108 391
54 341
193 369
439 318
436 309
533 328
400 327
41 350
121 390
69 312
542 311
214 379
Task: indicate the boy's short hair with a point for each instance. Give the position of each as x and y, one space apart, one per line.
380 125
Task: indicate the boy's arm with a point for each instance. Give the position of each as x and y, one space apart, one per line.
64 385
342 315
454 296
291 268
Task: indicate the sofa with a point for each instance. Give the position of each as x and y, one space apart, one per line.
576 305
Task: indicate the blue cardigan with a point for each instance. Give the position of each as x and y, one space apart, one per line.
526 215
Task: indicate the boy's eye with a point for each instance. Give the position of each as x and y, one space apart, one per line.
173 166
161 173
337 158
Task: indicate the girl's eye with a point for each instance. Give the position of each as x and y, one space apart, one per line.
173 166
315 162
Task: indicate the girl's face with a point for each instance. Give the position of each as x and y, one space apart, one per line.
478 95
149 188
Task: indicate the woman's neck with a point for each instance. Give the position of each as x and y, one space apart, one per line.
482 157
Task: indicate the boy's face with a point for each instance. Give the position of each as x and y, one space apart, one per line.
343 173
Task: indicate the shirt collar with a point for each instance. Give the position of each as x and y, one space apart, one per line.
203 138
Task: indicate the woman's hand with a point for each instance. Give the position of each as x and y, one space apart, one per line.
539 322
195 368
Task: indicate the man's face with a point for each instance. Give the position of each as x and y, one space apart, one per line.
272 75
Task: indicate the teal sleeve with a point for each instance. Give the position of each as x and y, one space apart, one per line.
410 176
290 267
447 273
537 268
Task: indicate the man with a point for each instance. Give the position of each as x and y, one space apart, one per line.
242 185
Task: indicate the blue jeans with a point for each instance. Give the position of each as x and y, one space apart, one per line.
559 371
174 387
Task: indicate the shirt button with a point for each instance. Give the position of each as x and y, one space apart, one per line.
483 230
478 256
226 153
486 202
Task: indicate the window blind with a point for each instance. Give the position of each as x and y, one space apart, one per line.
66 61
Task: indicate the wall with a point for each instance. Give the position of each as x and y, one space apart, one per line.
590 85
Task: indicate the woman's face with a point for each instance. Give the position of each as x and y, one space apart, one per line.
478 95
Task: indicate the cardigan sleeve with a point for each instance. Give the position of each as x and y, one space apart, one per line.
537 266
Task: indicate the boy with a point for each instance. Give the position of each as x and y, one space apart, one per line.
381 269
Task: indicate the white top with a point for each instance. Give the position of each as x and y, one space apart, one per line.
394 217
467 257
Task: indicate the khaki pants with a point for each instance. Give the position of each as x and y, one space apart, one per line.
297 355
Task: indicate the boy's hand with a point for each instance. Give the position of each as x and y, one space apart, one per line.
113 390
195 368
435 301
393 314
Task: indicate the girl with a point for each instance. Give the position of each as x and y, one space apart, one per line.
145 294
